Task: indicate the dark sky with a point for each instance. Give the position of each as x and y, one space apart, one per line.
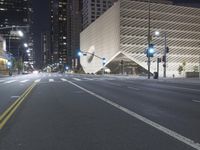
40 24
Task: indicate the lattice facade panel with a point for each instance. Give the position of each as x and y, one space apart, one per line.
181 25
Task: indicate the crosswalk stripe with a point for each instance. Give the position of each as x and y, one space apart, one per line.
2 80
77 79
38 80
51 80
63 79
24 81
11 81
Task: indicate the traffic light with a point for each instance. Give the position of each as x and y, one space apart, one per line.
150 50
164 58
159 60
167 49
104 61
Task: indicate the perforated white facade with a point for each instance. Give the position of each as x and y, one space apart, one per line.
123 30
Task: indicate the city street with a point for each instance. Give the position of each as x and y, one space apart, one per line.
90 112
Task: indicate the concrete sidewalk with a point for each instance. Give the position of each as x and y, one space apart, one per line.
161 79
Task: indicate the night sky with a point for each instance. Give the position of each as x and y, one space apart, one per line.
42 22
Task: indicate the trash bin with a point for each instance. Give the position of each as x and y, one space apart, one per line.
155 75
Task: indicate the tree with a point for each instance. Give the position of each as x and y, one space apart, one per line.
180 69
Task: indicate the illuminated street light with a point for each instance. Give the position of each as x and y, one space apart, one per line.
80 54
157 33
25 45
28 51
20 33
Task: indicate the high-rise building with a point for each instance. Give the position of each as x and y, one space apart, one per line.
45 47
16 15
92 9
65 30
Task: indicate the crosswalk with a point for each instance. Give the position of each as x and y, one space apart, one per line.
52 80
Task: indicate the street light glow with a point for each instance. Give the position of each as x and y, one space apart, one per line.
157 33
28 51
151 50
20 33
80 53
25 45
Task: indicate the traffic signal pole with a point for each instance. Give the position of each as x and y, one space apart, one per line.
165 57
149 36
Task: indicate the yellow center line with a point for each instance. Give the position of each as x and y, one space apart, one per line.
11 109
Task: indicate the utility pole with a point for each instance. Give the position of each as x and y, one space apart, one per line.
149 38
165 56
158 61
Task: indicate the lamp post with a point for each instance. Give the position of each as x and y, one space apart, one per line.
149 37
166 50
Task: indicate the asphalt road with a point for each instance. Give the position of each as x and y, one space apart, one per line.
89 112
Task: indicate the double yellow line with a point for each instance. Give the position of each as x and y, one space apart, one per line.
11 109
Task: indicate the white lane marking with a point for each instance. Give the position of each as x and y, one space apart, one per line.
2 81
134 88
24 81
155 125
89 79
63 79
38 80
196 101
77 79
14 97
51 80
11 81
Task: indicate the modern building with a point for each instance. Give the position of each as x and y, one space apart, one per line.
65 30
4 58
92 9
45 47
120 36
16 15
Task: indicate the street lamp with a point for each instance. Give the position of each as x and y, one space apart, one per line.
25 45
149 37
20 33
28 51
166 50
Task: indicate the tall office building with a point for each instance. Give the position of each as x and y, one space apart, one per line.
45 47
16 13
92 9
65 29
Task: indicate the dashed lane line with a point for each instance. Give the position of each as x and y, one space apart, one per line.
63 79
77 79
24 81
51 80
11 81
196 101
